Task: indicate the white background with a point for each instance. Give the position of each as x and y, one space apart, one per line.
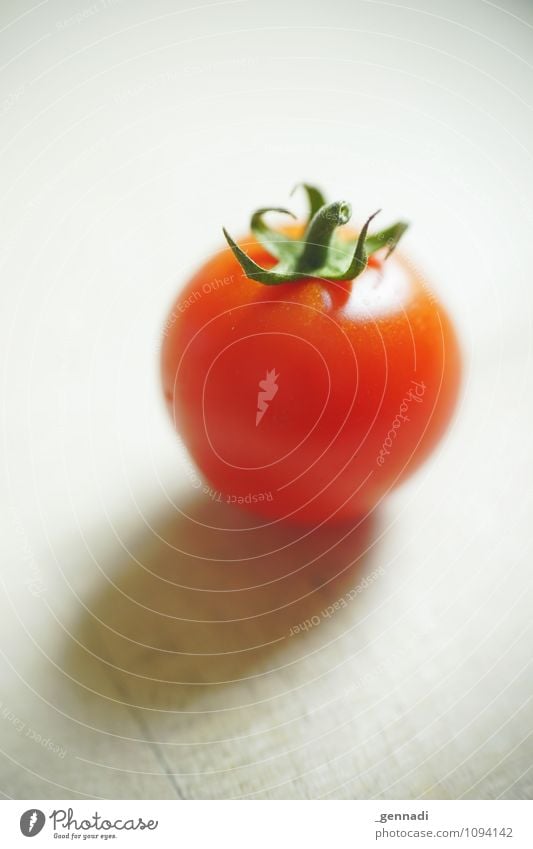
132 132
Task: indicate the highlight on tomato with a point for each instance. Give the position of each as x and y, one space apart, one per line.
309 369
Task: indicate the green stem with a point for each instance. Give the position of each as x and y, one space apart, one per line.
318 235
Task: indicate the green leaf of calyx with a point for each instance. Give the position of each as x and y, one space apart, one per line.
386 238
315 198
277 243
320 252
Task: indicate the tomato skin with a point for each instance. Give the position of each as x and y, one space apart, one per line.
367 374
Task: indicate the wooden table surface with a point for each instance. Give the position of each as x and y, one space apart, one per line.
155 643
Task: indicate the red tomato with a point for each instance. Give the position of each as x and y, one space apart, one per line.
308 401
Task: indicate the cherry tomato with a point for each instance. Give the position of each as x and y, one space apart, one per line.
306 397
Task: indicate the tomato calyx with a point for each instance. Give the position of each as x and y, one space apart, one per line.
321 252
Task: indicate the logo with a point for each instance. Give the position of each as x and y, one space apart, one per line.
267 389
32 822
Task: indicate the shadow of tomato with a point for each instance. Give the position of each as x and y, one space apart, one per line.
204 599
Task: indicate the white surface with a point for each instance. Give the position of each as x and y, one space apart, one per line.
133 131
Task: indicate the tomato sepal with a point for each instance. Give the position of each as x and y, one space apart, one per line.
320 253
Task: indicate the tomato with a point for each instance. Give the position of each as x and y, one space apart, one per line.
306 397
